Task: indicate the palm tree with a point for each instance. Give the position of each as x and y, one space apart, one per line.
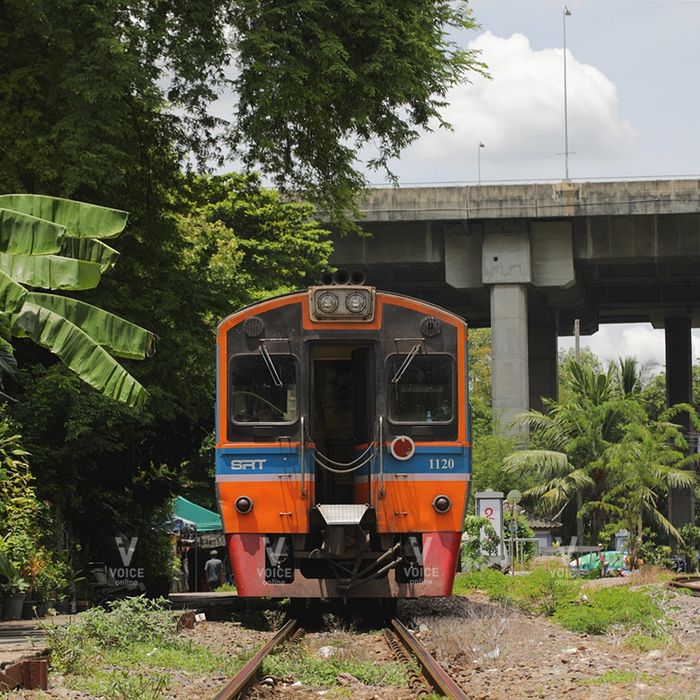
53 244
631 375
570 442
650 459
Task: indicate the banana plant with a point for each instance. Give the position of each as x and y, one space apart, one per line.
49 245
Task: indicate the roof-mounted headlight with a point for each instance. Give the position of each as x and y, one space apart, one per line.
356 302
327 303
342 303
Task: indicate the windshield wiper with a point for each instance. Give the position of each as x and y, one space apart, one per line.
405 364
276 379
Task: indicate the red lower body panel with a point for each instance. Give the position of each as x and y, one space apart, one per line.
440 552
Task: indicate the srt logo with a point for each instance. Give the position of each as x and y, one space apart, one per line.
248 464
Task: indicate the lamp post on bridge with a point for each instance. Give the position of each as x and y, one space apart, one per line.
478 159
567 13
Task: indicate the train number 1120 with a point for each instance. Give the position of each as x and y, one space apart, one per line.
441 463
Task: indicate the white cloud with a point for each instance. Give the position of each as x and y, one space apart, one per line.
638 340
519 116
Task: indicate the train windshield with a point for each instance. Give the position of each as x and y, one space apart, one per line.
424 393
261 394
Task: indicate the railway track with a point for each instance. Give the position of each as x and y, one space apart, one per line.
690 583
402 642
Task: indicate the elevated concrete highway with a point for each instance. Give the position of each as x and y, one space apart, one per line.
527 260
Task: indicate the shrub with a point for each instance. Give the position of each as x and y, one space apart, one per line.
542 591
551 591
129 622
474 544
607 607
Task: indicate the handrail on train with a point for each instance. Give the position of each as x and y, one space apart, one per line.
302 454
381 457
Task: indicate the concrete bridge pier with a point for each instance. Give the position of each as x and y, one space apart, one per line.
679 389
509 353
543 350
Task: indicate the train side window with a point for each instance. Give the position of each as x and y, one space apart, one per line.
257 396
424 393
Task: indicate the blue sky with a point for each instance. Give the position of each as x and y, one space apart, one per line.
633 105
632 95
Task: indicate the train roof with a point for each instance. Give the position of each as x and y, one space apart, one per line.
303 292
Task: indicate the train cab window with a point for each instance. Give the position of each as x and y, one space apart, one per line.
424 391
260 394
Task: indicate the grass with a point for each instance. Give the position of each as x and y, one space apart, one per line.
181 655
126 654
131 652
552 592
608 607
299 664
121 685
620 677
641 642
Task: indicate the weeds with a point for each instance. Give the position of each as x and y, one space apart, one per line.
297 663
78 646
552 592
607 607
275 618
183 656
123 685
481 635
136 638
129 621
542 591
620 677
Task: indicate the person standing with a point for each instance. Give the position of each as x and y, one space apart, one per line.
214 570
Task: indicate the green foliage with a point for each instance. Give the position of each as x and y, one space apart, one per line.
581 441
608 607
552 591
77 333
651 552
248 242
542 591
123 684
25 523
178 655
128 622
620 677
227 588
314 81
691 545
316 672
319 80
523 531
648 460
477 548
489 453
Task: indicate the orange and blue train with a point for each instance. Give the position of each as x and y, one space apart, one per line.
343 453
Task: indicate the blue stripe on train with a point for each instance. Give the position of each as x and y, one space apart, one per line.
284 460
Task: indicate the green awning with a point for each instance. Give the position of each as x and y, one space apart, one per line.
204 519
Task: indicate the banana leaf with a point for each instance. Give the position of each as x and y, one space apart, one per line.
122 338
11 294
92 250
81 220
27 235
92 363
51 271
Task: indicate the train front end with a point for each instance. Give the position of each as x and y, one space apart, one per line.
342 456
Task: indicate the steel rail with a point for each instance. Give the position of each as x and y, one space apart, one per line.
433 671
688 582
247 674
